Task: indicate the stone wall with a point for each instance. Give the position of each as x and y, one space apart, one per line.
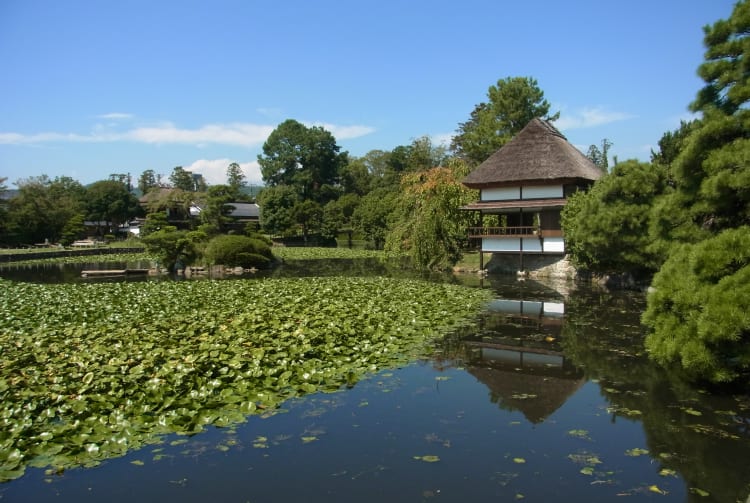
535 266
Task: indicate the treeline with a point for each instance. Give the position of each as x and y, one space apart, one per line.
405 199
683 220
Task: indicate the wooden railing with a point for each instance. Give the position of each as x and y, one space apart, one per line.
495 232
480 232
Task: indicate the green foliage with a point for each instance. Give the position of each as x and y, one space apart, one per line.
73 230
698 313
429 226
147 181
236 250
276 205
599 155
173 248
110 201
606 228
216 208
512 103
699 308
182 179
307 159
372 217
236 179
41 209
90 372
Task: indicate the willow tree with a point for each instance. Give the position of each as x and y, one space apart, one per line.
429 226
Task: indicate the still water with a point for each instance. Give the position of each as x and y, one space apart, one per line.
548 396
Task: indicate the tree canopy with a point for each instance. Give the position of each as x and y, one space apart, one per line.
512 103
698 311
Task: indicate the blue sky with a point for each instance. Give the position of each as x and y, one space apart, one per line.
95 87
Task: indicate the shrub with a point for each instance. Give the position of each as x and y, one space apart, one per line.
236 250
698 311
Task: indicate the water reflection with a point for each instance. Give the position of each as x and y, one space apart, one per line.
516 353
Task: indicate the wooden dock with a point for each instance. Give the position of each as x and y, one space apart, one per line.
113 272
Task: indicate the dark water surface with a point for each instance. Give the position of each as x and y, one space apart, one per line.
549 396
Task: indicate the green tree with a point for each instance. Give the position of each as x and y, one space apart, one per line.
236 179
305 158
42 207
607 228
147 181
429 225
512 103
276 204
706 215
237 250
173 248
182 179
3 209
309 215
109 203
698 308
599 156
215 208
372 217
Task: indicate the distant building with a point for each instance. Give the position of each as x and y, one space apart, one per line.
525 185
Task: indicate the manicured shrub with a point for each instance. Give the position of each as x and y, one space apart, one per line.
236 250
699 311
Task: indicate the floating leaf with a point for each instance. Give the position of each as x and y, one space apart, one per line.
428 458
699 492
636 452
692 411
584 434
667 472
655 489
137 462
587 470
307 440
520 461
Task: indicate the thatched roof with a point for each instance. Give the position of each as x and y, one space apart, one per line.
539 153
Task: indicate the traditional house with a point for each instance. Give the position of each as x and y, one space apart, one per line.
524 186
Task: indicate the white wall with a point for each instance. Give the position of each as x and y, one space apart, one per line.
554 245
501 245
501 194
542 191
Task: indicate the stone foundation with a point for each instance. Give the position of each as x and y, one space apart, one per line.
535 266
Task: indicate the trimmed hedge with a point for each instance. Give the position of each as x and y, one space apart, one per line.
235 250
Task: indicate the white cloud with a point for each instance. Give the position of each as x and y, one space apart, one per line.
237 134
214 171
246 135
115 116
443 139
344 132
589 117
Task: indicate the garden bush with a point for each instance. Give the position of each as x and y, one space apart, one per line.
236 250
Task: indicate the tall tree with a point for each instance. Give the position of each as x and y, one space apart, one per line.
236 178
147 181
607 228
599 156
305 158
110 204
182 179
698 313
42 208
512 103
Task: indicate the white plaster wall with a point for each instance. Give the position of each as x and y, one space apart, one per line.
554 245
501 245
532 245
501 194
543 191
554 308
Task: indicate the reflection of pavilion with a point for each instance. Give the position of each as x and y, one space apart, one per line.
517 354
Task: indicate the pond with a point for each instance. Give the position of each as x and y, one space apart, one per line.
547 395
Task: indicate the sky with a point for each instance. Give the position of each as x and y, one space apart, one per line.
90 87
